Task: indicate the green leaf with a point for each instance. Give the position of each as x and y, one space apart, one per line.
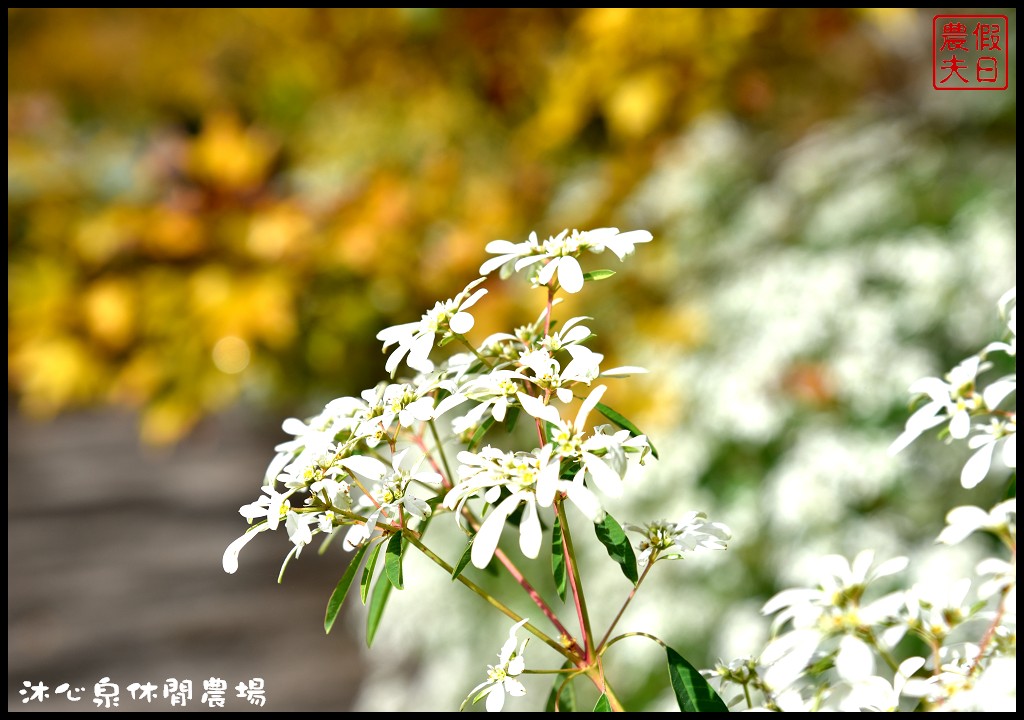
341 590
549 431
364 582
692 691
463 561
1011 490
381 591
511 417
602 704
480 432
393 560
558 561
567 700
596 275
611 535
623 422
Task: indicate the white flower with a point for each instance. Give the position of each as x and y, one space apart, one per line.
488 472
547 373
961 686
1003 578
572 333
384 404
230 559
935 608
560 253
951 400
272 507
834 607
962 521
492 391
872 693
508 253
1008 309
314 441
416 339
672 540
979 464
503 677
390 495
601 456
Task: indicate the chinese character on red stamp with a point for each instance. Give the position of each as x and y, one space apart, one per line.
970 52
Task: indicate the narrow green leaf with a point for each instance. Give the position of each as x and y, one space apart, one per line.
463 561
596 275
614 539
692 691
549 431
393 560
480 432
623 422
1011 489
364 582
602 704
511 417
338 596
381 591
567 700
558 561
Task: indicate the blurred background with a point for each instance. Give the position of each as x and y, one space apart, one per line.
212 213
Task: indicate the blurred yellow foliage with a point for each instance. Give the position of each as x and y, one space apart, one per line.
296 179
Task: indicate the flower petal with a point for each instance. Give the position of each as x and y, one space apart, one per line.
461 323
448 403
535 407
960 425
606 479
513 687
487 538
589 404
546 272
294 426
365 466
961 522
585 501
492 264
495 698
570 275
547 481
993 395
624 371
977 467
530 534
230 560
1010 451
855 661
419 353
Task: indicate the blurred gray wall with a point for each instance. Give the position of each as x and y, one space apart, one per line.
114 569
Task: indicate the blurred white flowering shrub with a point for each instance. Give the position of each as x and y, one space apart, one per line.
945 643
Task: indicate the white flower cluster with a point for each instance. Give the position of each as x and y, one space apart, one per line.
373 446
671 540
502 678
836 643
560 254
968 413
